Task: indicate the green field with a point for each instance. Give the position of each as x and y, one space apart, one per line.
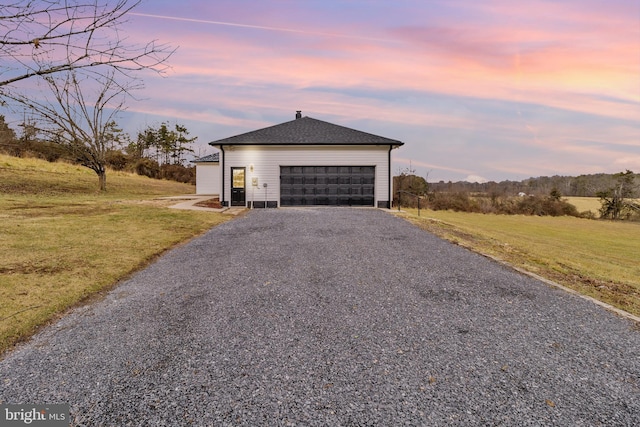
64 242
596 258
584 204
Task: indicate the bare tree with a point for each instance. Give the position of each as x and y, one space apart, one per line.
617 202
78 113
75 48
45 37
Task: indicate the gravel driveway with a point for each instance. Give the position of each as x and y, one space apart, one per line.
332 316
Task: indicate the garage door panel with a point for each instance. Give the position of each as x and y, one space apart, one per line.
327 185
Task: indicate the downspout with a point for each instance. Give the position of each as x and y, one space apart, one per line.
390 177
223 169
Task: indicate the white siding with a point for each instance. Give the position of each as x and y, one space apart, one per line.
208 178
266 162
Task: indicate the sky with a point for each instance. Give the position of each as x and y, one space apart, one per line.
477 90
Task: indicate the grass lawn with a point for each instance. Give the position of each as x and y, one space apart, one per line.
63 241
596 258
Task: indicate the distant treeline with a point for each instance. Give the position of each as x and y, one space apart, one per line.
533 196
580 186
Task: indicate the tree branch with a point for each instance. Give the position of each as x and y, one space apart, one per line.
40 38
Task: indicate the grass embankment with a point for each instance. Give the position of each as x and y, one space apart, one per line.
596 258
62 241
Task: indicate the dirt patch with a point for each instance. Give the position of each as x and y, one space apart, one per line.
210 203
621 295
29 268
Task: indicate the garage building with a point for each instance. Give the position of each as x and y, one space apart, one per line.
305 162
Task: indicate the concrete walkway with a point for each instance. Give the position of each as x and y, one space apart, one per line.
332 317
189 201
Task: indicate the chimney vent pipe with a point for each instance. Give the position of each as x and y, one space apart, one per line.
298 114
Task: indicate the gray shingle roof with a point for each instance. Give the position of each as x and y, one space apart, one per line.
215 157
306 131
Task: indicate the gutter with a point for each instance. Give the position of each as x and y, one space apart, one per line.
390 177
222 202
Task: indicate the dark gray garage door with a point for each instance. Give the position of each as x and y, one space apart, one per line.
327 185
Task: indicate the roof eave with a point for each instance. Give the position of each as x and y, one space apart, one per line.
219 144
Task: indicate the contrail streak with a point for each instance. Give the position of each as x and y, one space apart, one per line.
261 27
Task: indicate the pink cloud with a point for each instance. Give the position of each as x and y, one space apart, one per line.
474 60
570 56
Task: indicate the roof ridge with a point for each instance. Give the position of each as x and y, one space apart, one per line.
214 157
306 131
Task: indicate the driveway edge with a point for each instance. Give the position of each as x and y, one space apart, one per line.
544 280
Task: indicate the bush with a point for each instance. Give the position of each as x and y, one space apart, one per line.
530 205
48 151
458 202
147 167
44 150
551 206
178 173
116 160
408 201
